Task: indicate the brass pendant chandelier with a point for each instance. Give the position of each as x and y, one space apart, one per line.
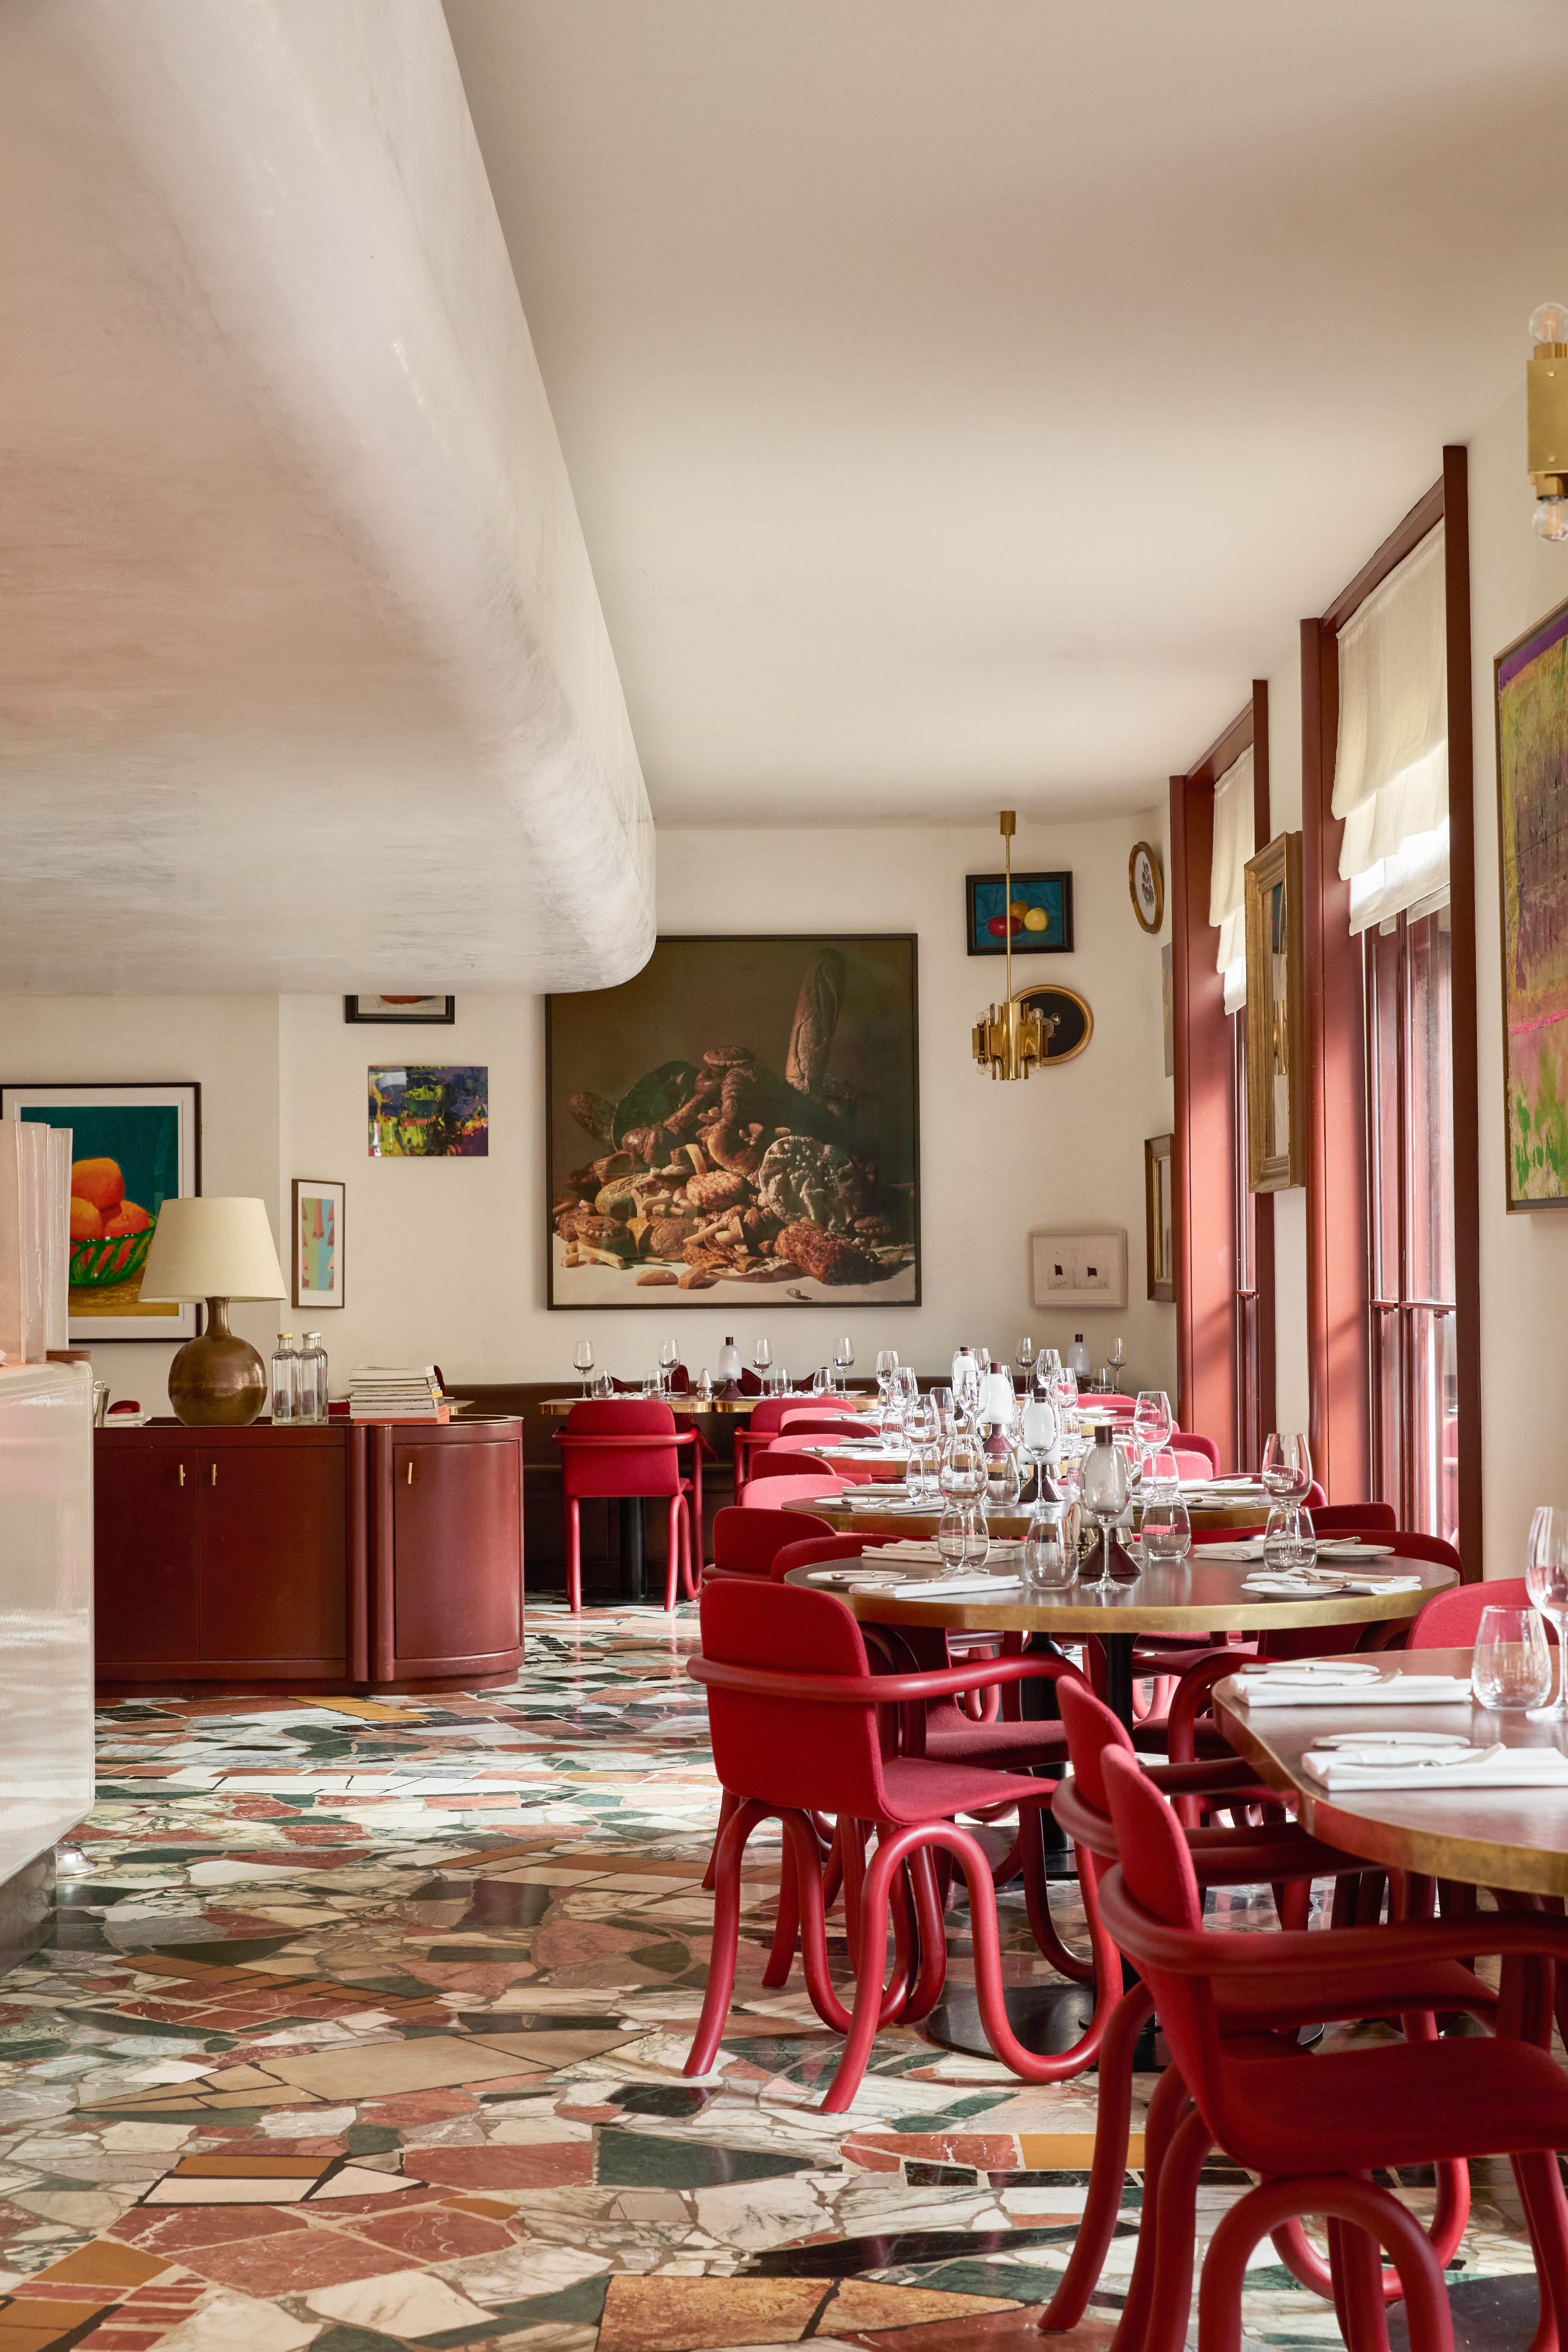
1010 1042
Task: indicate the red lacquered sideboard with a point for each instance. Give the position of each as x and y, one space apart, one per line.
368 1558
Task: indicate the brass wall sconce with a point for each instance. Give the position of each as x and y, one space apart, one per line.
1546 419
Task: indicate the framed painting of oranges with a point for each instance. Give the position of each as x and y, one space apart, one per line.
1038 912
133 1148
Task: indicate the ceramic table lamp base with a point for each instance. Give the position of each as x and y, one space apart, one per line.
218 1381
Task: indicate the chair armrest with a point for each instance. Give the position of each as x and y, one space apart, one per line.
879 1690
1193 1952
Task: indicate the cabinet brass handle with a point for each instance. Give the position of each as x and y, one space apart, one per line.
215 1474
410 1474
182 1474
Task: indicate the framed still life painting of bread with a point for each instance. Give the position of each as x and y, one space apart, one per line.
740 1121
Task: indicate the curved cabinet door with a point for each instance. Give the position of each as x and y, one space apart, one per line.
144 1553
456 1556
274 1556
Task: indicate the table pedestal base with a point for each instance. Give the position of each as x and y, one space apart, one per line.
1047 2018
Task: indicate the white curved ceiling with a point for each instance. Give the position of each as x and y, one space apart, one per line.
964 402
303 679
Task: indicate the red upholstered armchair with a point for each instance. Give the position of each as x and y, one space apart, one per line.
632 1449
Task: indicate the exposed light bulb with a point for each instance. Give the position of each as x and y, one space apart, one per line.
1550 520
1549 323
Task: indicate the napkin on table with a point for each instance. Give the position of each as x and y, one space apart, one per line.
931 1585
1300 1688
1497 1766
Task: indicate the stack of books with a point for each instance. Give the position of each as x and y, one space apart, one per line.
396 1392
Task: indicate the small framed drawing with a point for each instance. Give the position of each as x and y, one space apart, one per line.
1038 912
1147 886
133 1148
1276 1004
1157 1216
430 1010
1079 1269
318 1262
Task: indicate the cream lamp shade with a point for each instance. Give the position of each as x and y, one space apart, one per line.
210 1248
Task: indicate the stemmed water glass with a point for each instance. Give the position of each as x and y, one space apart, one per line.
1546 1581
1287 1471
966 1379
668 1357
761 1357
1102 1487
1152 1421
1025 1359
582 1360
843 1358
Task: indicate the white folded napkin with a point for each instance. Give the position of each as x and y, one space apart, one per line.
916 1548
1346 1548
931 1587
845 1573
1304 1584
1302 1686
1497 1766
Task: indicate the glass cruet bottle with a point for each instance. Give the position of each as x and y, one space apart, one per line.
312 1380
285 1379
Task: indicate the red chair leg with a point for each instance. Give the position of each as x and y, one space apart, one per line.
1108 2173
1037 1902
1546 2213
1371 2215
833 1875
1176 2212
574 1556
1168 2110
852 1860
729 1805
786 1922
932 1930
672 1541
726 1937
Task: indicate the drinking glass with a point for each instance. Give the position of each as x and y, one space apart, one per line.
976 1538
1025 1359
1286 1471
668 1357
1152 1420
963 1468
1037 1429
843 1358
1512 1665
966 1377
1004 1480
983 1357
1303 1538
1279 1536
761 1357
1546 1581
652 1381
1167 1530
923 1431
1050 1559
582 1360
1161 1474
1102 1485
942 1404
949 1538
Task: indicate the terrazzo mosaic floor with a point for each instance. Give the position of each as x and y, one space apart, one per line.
363 2029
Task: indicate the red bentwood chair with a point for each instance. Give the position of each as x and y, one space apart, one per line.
747 1541
631 1449
1318 2129
1451 1620
1277 2000
792 1709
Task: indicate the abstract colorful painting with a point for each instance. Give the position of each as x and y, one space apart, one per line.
1532 844
317 1222
738 1123
133 1148
429 1111
1038 912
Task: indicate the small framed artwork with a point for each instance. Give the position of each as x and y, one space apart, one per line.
1147 886
1158 1219
133 1148
318 1262
430 1112
1080 1269
1532 712
432 1010
1276 1001
1068 1022
1038 912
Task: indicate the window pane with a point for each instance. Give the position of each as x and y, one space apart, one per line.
1433 1431
1381 975
1431 1117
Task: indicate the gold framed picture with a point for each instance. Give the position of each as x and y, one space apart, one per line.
1276 1001
1158 1218
1146 885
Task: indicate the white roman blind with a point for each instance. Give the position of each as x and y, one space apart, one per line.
1391 774
1232 846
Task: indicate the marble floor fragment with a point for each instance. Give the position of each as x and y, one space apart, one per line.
363 2029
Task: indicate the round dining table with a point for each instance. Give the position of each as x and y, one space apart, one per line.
1512 1838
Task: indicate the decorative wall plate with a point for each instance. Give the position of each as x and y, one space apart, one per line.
1147 884
1069 1024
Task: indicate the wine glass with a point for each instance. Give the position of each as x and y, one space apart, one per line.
1167 1534
1102 1485
843 1358
1287 1471
886 1365
1546 1581
1152 1421
1025 1359
582 1360
1049 1561
668 1357
942 1403
966 1379
761 1357
1038 1428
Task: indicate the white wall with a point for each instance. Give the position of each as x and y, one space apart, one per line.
1515 580
446 1258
